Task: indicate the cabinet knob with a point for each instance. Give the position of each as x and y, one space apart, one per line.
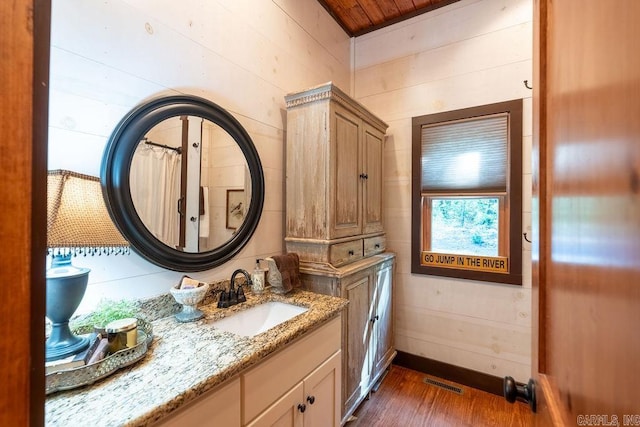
364 176
193 219
351 253
302 407
311 399
523 392
376 317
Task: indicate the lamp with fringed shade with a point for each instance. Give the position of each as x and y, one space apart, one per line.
77 223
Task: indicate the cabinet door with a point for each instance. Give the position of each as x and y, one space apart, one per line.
382 319
216 408
357 360
285 412
322 394
345 195
373 154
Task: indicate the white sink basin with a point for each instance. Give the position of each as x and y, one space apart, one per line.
258 319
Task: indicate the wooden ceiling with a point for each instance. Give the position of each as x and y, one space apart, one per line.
358 17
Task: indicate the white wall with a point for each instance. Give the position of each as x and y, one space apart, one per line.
469 53
245 55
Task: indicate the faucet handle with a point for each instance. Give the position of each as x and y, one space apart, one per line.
223 302
233 297
240 295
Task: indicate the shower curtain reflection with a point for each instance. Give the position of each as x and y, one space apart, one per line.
155 190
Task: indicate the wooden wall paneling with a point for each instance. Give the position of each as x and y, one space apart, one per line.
24 41
445 296
100 76
466 333
321 26
299 40
447 26
494 365
484 51
402 71
454 92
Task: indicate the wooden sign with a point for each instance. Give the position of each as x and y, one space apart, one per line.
465 262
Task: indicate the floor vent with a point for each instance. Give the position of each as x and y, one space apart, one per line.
442 385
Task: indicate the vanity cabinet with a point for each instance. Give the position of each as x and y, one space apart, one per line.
220 407
367 339
334 179
299 385
315 401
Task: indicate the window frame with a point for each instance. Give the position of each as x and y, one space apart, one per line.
512 200
427 216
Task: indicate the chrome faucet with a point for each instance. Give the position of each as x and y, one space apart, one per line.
234 296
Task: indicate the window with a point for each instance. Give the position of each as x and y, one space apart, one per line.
467 193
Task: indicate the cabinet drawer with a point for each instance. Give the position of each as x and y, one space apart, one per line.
214 408
374 245
271 379
345 253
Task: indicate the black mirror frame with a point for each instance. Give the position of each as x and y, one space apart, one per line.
114 177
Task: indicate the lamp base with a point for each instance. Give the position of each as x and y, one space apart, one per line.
66 285
62 343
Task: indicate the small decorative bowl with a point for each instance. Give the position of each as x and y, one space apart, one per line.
189 298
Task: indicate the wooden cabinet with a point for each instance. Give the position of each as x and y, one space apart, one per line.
333 178
334 222
382 320
299 385
313 402
220 407
367 338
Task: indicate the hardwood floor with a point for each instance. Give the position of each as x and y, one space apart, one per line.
404 399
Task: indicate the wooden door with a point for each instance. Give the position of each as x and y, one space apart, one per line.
382 320
373 153
586 251
346 167
357 358
24 67
322 394
284 412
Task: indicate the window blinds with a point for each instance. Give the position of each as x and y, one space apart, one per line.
466 156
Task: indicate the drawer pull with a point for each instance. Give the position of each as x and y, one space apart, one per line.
302 407
311 399
351 253
377 246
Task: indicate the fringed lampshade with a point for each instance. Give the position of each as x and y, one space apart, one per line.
77 223
77 218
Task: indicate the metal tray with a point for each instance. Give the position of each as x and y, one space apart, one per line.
85 375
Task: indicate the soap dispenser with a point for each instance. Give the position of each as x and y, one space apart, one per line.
257 279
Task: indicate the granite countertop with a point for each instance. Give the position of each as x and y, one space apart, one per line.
184 361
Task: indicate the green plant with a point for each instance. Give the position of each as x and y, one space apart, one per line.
106 311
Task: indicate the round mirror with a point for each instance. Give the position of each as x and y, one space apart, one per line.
183 182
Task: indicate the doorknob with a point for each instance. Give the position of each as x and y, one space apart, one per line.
523 392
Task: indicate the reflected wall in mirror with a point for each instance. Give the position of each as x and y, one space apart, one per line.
166 173
194 164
